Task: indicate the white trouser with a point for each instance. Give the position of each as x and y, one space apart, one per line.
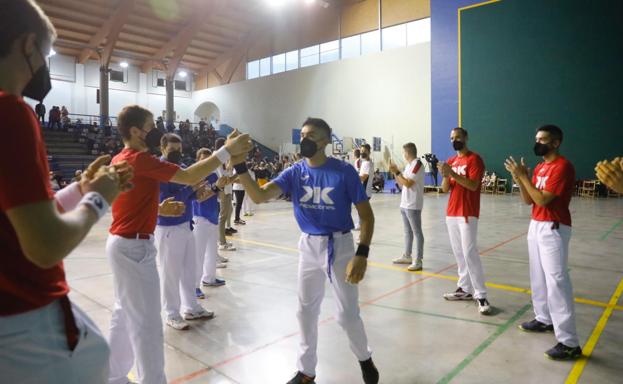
136 325
206 244
33 349
311 285
552 294
248 206
178 267
463 233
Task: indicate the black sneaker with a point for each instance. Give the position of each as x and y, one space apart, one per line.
231 230
301 378
240 222
536 326
369 372
562 352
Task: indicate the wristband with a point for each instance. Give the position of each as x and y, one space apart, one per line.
215 189
222 154
362 250
96 202
69 197
241 168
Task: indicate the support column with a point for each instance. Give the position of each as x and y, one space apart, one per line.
104 112
170 104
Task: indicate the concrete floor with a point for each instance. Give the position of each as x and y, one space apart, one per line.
417 337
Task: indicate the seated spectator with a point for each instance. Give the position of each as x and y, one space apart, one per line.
160 124
77 176
378 181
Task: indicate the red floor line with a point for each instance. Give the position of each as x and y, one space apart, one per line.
200 372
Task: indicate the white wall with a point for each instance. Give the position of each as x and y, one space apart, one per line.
385 94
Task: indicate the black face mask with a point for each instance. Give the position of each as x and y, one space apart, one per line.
308 148
458 145
364 155
174 157
541 149
39 85
152 139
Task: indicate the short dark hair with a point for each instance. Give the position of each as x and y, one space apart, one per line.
320 124
169 138
462 130
554 131
411 148
219 143
203 151
367 146
357 152
132 116
19 17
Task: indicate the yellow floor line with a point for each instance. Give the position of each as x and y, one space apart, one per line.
375 264
578 367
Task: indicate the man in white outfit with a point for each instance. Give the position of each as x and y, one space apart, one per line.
549 192
462 175
323 190
175 243
365 174
411 203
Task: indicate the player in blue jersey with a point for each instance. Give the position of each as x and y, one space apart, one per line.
323 190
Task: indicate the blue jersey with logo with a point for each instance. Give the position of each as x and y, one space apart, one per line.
179 192
322 196
209 208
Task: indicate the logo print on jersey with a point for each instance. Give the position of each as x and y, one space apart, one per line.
540 182
317 194
460 170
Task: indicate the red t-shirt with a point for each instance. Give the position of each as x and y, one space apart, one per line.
462 201
24 180
556 177
136 211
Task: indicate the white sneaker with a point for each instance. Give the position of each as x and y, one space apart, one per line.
416 266
226 247
402 260
483 306
221 265
202 314
178 324
222 259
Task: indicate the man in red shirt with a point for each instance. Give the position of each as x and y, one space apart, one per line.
136 325
44 338
549 192
462 175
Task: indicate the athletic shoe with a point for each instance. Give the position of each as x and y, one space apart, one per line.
484 307
403 260
459 294
223 259
562 352
221 265
215 283
240 222
231 230
417 266
202 314
536 326
301 378
178 324
200 295
226 247
369 372
249 214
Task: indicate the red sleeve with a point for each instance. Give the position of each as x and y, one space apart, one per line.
149 166
558 179
24 172
476 169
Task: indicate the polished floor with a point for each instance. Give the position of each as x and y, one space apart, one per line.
417 337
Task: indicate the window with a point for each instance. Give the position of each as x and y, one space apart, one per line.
160 82
253 69
351 47
265 66
370 42
310 56
292 60
330 51
180 85
116 75
279 63
395 37
418 31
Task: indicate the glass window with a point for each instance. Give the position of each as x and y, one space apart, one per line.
253 69
370 42
395 37
265 66
310 56
418 31
351 47
292 60
330 51
279 63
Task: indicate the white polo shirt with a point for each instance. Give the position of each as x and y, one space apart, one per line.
366 169
413 197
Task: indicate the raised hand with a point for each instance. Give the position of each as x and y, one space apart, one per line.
393 168
238 143
611 174
171 208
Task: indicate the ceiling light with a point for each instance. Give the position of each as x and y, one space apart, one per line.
52 52
123 64
182 74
